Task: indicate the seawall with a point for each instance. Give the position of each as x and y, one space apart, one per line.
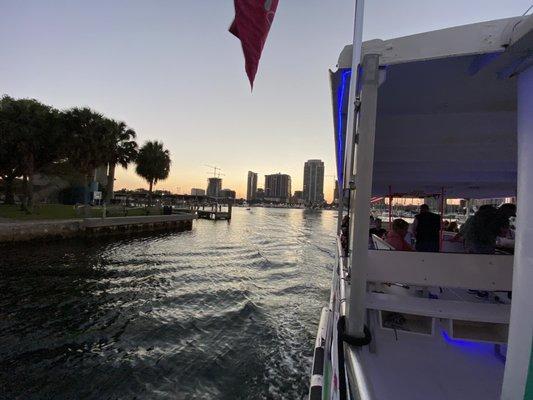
24 231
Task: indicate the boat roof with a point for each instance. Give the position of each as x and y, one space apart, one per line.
479 38
446 118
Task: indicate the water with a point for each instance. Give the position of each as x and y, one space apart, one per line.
226 311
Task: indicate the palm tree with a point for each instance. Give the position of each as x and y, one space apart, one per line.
37 133
122 150
153 164
88 148
9 157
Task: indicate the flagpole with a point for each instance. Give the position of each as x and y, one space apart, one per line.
355 307
357 44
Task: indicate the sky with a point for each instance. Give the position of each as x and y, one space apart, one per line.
172 72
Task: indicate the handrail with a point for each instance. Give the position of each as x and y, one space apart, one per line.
317 372
342 279
360 387
439 308
468 271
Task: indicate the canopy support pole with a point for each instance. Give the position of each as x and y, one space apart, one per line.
390 208
360 197
351 120
518 366
442 206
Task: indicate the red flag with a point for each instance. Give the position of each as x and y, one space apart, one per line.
252 22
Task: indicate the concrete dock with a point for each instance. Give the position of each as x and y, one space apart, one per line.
215 212
214 215
22 231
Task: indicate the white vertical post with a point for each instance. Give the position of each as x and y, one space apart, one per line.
340 209
360 197
521 323
350 117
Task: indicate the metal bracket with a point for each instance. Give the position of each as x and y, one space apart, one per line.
357 103
351 182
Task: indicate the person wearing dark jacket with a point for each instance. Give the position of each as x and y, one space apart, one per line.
426 229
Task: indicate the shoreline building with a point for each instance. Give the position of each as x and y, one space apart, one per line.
278 188
227 194
313 192
197 192
251 187
260 194
214 187
298 197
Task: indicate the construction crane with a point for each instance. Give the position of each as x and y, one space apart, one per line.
216 171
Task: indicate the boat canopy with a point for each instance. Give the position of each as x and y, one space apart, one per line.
462 141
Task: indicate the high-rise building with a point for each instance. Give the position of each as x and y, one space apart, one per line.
251 186
197 192
314 182
214 187
278 187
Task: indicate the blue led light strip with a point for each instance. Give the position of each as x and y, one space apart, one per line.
340 142
488 347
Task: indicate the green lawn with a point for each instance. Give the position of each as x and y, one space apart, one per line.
60 211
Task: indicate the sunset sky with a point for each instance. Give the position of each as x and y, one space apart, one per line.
172 72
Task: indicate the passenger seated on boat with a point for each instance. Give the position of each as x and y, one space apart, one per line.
378 229
481 231
507 210
452 227
426 229
396 237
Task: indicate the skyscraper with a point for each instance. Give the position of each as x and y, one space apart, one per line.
278 187
252 186
314 182
214 187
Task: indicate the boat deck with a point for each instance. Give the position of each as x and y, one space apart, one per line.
417 367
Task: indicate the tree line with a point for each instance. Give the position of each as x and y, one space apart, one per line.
34 136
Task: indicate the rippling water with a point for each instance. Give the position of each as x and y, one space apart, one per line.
226 311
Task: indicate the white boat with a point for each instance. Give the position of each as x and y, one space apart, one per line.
449 110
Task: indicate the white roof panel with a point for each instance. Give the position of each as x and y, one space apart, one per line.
479 38
446 115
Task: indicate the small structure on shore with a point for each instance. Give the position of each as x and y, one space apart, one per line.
215 212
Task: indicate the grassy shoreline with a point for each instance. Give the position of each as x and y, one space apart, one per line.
61 211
